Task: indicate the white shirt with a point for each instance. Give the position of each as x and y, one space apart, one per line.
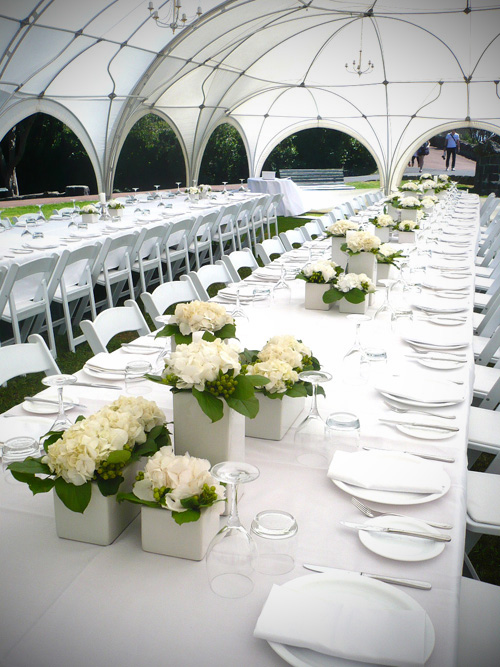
452 140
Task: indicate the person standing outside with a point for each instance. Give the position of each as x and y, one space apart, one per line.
421 153
452 145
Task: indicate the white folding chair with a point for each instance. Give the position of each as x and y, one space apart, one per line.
111 322
114 267
76 286
257 220
313 228
22 358
226 233
200 238
478 636
291 238
239 259
271 214
177 291
483 510
268 248
148 255
26 294
244 223
208 275
176 252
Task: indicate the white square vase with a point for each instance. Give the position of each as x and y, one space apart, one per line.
338 256
90 217
429 193
223 440
406 237
160 534
383 233
408 214
385 271
357 308
314 297
115 212
363 262
274 418
442 195
393 212
103 520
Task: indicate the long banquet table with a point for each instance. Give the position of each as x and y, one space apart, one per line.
70 603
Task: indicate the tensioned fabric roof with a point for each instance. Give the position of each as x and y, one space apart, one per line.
270 67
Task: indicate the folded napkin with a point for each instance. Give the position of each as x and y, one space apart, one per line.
111 363
386 471
346 627
43 244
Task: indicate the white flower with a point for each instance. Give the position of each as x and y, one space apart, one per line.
427 202
324 266
384 220
387 250
291 342
349 281
410 185
362 242
200 362
408 225
427 184
278 372
409 202
426 176
443 177
193 190
200 316
340 227
89 208
205 188
282 352
115 204
184 476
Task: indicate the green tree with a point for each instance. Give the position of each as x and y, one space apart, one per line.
150 155
225 157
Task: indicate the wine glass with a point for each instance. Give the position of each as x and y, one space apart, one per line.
242 187
355 365
178 184
40 215
310 440
282 292
224 191
156 186
238 312
61 422
386 313
232 554
30 227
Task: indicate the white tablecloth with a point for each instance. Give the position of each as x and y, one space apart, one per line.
293 200
67 603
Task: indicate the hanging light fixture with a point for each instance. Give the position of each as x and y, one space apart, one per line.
357 68
175 18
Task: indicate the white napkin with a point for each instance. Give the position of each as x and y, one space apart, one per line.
112 363
386 471
346 628
420 387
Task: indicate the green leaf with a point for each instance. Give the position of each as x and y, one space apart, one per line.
355 295
186 517
119 456
156 378
168 330
131 498
333 294
257 380
109 487
244 389
53 436
35 484
208 335
297 391
181 339
248 356
210 404
76 498
227 331
30 465
249 407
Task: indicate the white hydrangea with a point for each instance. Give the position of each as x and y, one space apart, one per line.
384 220
89 208
388 249
427 184
282 352
427 202
324 266
184 475
410 185
408 225
200 362
349 281
443 177
426 176
362 242
147 413
409 202
200 316
204 189
278 373
340 227
291 342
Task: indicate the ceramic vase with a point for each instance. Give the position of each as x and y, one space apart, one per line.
363 262
383 233
357 308
385 271
274 418
338 256
89 217
314 297
406 237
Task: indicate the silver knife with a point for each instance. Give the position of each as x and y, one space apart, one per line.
47 401
430 457
411 583
418 425
439 537
99 386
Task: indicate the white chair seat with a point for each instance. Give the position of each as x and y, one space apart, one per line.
477 318
478 636
483 498
482 284
484 379
484 427
484 271
481 300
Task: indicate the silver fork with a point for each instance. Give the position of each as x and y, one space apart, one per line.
370 512
420 412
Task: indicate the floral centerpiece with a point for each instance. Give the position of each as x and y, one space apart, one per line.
361 248
337 232
408 225
426 177
280 361
444 178
429 201
410 204
203 376
184 487
318 276
205 191
352 288
188 318
115 205
89 213
386 258
409 186
383 224
427 184
193 193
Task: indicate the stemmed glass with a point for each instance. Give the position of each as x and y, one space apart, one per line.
30 227
60 381
238 311
309 439
40 215
224 191
232 554
386 312
282 292
355 365
178 184
104 213
242 187
156 186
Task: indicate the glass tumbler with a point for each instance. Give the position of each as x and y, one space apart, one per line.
135 382
275 533
18 449
343 431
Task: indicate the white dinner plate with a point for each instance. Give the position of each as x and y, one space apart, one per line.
424 433
330 585
105 375
84 234
142 348
46 243
401 547
419 386
45 408
419 404
440 365
393 497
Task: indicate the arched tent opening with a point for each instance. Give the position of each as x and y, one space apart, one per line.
321 148
225 157
151 154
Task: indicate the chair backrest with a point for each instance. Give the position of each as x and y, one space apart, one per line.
239 259
78 264
290 237
313 228
118 249
149 239
208 275
179 233
28 280
111 322
227 220
269 247
31 357
167 294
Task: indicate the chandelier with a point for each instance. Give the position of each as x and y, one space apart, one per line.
357 67
175 19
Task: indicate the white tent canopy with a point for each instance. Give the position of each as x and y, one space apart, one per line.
269 67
